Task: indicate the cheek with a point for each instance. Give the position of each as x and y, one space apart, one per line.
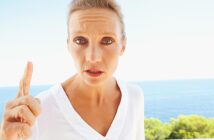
112 64
112 58
77 57
114 53
75 52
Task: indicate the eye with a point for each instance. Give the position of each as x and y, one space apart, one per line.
80 40
107 41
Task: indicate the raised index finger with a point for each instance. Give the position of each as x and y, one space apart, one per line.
25 81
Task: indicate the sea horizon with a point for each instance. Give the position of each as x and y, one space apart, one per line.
164 99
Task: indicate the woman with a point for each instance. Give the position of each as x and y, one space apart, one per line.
92 104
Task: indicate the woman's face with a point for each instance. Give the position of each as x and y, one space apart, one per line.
95 43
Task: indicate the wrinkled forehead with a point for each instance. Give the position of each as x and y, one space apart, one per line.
96 21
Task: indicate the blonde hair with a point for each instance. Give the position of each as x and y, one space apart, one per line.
76 5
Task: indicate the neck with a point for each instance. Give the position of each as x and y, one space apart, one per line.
75 87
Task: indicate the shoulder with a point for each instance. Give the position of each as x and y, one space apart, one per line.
134 91
48 103
48 94
135 100
48 99
134 88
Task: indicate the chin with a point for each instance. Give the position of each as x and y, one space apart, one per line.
94 81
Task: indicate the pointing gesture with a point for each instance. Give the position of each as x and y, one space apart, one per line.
20 113
24 84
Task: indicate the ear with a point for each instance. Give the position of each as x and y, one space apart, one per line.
123 47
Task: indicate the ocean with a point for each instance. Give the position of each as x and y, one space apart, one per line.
164 100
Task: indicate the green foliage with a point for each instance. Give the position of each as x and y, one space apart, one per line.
156 130
183 127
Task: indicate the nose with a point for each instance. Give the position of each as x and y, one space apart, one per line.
93 54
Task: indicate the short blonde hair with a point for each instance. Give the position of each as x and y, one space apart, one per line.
76 5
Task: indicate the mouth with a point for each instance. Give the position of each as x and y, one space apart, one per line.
94 72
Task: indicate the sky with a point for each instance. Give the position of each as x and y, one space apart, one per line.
166 40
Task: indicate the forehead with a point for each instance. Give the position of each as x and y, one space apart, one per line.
94 20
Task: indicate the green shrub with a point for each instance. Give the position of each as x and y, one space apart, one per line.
156 130
183 127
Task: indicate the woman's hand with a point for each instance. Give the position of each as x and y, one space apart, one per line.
20 114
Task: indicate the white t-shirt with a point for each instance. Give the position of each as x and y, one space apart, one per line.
59 121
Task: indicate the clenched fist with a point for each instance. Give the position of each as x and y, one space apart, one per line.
20 114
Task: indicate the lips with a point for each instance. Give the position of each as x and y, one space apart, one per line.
94 72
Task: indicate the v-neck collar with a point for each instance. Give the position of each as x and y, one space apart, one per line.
83 127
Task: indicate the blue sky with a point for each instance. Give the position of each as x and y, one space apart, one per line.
167 39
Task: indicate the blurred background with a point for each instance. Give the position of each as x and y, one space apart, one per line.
167 39
170 46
